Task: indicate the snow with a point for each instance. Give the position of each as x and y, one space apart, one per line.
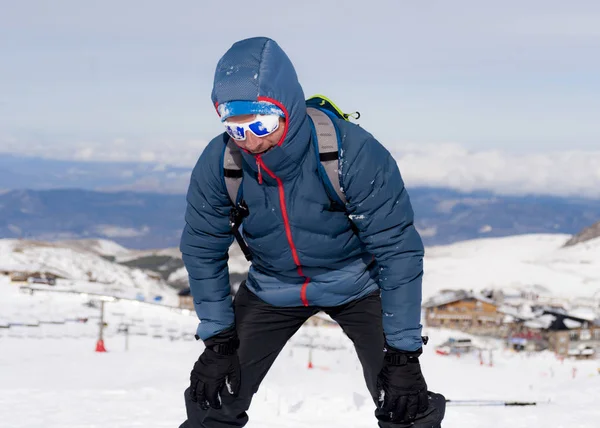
449 296
112 231
543 322
180 274
537 263
52 377
485 229
237 264
137 254
102 247
354 217
82 270
584 313
571 323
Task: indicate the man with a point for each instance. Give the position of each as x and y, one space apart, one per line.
361 264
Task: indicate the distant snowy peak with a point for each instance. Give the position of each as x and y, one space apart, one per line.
101 247
237 265
131 255
586 234
83 263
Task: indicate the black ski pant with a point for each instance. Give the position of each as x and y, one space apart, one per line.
263 331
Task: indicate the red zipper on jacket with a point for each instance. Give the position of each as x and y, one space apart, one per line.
286 222
259 162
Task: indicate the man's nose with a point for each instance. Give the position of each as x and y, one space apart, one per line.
251 139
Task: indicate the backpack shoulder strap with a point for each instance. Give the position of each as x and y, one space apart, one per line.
328 143
232 169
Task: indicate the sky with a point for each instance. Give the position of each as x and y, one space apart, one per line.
132 80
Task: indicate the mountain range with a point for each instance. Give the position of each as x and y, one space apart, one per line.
36 173
145 220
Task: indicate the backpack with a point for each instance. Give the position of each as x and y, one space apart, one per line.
327 144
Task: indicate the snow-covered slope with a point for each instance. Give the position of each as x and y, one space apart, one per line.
168 263
140 382
62 314
237 265
538 262
102 247
516 262
81 269
130 255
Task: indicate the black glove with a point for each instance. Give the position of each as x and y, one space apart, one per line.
217 367
402 388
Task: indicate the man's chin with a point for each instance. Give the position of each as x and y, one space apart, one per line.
259 151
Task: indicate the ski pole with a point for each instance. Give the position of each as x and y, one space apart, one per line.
489 403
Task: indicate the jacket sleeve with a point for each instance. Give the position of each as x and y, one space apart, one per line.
205 242
379 206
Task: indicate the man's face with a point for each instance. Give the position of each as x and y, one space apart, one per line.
254 144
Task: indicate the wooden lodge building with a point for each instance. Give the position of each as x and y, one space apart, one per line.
465 311
564 334
545 327
26 276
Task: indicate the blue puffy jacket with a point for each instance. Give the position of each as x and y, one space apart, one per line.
305 252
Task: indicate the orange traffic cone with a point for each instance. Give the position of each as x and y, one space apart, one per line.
310 365
100 346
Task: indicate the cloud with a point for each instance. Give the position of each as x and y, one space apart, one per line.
565 173
112 231
561 173
160 151
86 154
170 183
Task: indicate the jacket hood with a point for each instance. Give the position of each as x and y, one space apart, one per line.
257 69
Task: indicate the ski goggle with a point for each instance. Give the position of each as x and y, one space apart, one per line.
261 126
